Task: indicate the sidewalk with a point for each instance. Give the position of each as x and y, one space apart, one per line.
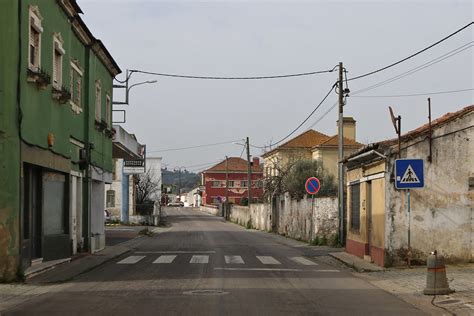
409 283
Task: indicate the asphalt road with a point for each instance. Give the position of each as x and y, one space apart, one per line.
204 266
118 234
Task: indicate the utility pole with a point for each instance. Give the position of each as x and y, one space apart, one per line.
226 204
340 123
249 173
179 183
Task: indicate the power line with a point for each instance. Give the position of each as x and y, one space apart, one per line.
412 55
310 73
191 147
418 68
304 121
324 115
412 95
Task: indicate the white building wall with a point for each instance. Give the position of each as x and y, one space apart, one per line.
442 212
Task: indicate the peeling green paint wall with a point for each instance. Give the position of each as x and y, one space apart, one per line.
9 143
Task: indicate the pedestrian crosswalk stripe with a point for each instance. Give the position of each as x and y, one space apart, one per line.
165 259
303 261
199 259
234 260
131 260
268 260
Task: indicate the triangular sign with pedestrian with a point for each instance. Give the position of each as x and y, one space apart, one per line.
410 176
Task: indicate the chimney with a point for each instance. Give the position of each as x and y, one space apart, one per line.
349 127
255 161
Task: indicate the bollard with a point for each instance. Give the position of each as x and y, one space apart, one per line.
436 281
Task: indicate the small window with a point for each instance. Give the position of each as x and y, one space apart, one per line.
216 184
355 206
231 184
108 110
243 184
110 198
34 43
98 101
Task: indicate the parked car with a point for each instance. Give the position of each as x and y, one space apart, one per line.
176 204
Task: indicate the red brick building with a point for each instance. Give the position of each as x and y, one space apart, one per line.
214 182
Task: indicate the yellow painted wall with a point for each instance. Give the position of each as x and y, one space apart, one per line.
378 205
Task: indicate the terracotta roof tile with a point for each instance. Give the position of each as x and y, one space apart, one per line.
308 139
235 164
334 141
425 128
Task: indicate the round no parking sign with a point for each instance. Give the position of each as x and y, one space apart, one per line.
312 185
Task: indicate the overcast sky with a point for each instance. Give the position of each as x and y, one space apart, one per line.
252 38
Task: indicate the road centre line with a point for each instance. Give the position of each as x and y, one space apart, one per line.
274 269
173 252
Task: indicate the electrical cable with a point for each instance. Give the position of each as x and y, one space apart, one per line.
310 73
417 68
412 95
191 147
304 121
412 55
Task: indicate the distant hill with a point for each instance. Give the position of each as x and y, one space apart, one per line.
189 180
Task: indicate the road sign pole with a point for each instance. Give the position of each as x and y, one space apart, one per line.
409 226
311 236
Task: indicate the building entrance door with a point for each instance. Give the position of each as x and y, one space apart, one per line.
31 215
369 216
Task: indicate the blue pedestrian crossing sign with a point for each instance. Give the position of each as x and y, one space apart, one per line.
409 174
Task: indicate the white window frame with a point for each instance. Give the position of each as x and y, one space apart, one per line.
34 23
108 110
215 183
242 183
76 106
98 100
231 183
58 48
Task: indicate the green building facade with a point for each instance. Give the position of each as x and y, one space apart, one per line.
56 132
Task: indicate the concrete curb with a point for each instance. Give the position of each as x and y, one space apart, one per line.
354 262
68 271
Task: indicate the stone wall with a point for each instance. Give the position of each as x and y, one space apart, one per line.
210 209
297 219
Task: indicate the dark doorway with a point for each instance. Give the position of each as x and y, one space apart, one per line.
31 215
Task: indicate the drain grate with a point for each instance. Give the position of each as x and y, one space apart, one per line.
205 292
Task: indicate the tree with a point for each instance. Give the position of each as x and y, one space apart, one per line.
298 173
146 185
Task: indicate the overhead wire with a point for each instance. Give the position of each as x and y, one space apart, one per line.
191 147
412 95
302 123
412 55
309 73
418 68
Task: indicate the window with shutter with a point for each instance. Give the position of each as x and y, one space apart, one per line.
98 99
58 53
108 111
34 43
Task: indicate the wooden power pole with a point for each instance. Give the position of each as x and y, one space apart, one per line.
249 173
340 124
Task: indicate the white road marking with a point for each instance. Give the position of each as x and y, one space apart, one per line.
131 260
273 269
303 261
171 252
268 260
165 259
199 259
234 260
